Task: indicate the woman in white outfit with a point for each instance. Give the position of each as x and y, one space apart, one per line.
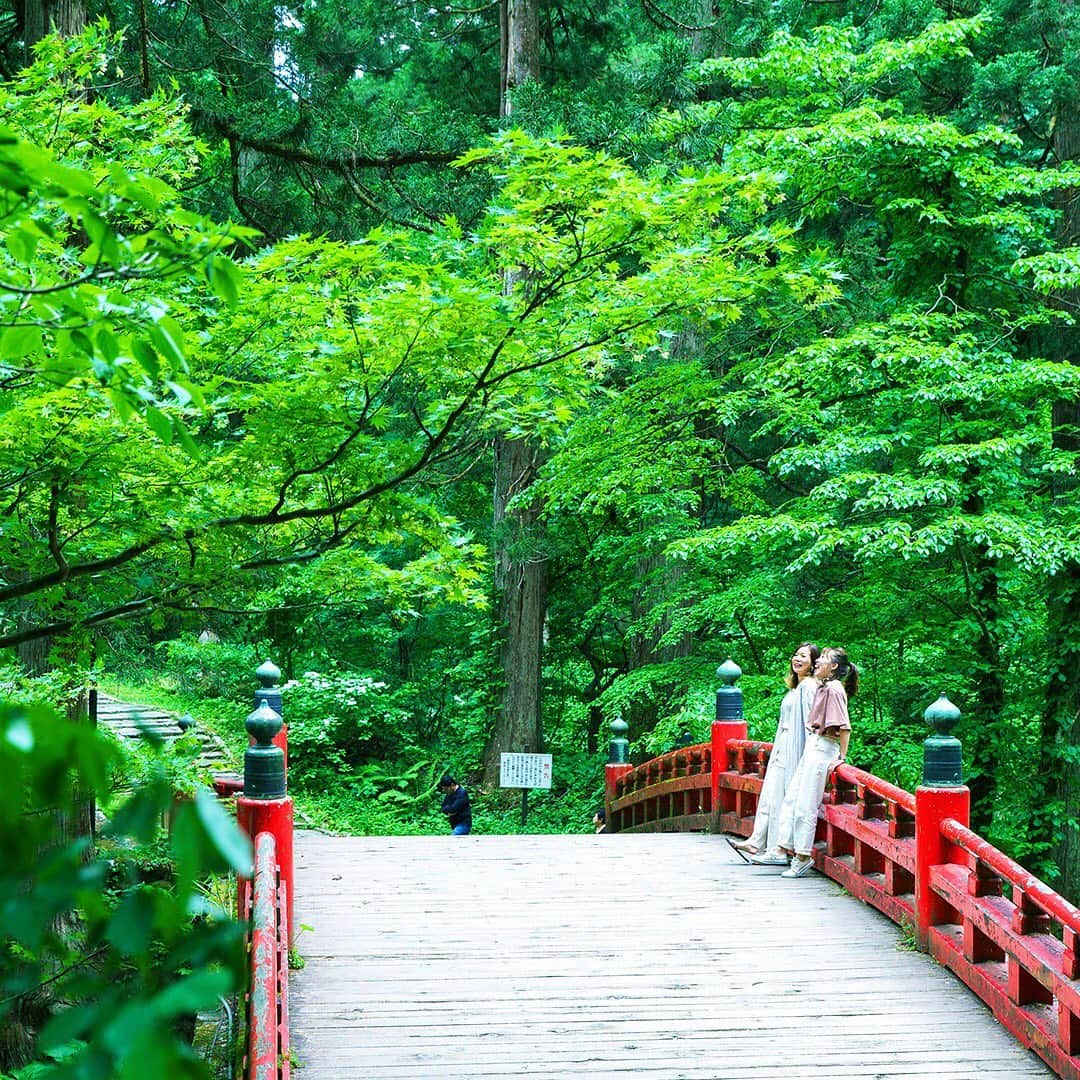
826 747
786 751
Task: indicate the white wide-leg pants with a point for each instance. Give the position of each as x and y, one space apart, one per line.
767 817
799 812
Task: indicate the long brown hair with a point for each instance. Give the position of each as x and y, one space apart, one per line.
847 674
791 680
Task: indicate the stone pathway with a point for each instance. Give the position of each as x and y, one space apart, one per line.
133 722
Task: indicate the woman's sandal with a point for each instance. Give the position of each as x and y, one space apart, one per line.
744 855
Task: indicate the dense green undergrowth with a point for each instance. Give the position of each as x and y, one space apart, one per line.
335 720
110 945
347 812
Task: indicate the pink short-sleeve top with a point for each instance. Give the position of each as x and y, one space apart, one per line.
829 713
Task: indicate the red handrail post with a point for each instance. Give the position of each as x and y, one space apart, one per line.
729 724
612 772
932 806
941 795
274 816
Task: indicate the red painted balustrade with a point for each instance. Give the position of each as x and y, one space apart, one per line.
869 833
1017 951
1001 930
739 780
263 901
671 793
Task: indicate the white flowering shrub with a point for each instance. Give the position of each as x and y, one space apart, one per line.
338 720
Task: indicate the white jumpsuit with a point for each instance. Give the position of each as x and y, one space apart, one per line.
783 761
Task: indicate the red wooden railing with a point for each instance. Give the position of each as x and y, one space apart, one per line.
263 900
1017 953
670 793
265 812
1002 931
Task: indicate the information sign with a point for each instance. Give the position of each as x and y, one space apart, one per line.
525 770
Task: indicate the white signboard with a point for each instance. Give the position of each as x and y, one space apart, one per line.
525 770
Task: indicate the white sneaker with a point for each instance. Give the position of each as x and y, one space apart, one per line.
799 867
769 858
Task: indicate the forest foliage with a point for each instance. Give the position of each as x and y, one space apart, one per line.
790 322
783 296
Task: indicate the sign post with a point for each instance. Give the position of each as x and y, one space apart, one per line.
525 771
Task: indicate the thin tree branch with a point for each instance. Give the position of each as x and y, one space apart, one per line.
664 17
339 163
54 541
131 607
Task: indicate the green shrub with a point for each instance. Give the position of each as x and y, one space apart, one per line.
343 810
101 941
210 669
54 688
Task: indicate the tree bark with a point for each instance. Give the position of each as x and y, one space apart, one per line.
702 35
520 605
985 717
66 18
521 573
41 17
519 25
655 575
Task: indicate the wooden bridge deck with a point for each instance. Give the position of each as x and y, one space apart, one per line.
503 956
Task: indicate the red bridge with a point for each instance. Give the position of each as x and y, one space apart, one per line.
647 953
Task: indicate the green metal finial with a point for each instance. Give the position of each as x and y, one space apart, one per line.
729 672
619 747
943 763
943 715
269 692
263 724
729 696
264 763
268 673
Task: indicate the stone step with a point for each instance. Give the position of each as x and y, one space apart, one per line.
132 722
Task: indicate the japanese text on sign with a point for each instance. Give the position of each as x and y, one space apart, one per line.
525 770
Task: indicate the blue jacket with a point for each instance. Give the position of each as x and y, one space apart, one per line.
456 804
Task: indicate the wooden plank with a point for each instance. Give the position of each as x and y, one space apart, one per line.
646 954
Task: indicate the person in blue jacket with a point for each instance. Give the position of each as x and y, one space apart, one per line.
455 805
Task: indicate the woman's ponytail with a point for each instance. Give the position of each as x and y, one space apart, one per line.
847 674
851 681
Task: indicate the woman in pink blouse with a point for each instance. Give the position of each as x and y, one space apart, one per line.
826 747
